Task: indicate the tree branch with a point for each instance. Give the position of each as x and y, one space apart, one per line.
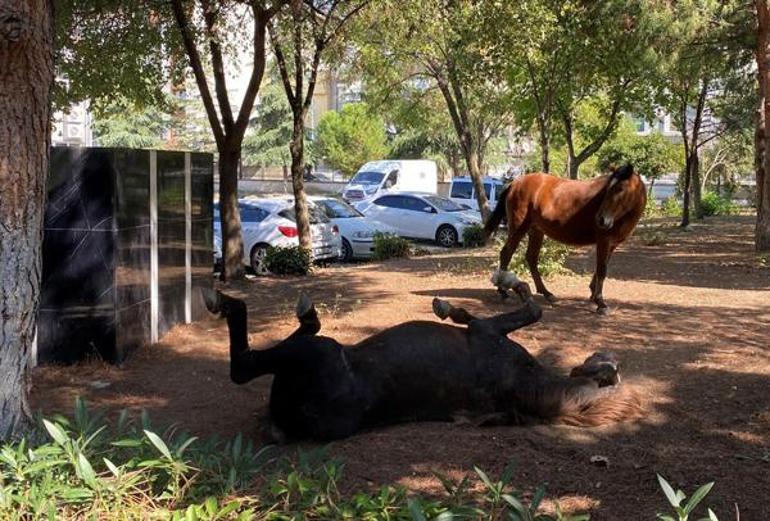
261 19
200 76
220 83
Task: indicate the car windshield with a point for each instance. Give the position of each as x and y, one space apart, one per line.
367 178
316 215
444 205
335 209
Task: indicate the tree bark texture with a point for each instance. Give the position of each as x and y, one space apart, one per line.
232 242
298 181
26 77
762 229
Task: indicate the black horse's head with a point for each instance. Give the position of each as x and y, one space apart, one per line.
621 194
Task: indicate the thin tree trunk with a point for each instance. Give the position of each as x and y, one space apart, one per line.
545 146
232 242
686 195
572 163
26 77
762 229
297 149
695 184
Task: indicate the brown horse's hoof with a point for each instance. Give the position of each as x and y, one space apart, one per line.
603 311
550 298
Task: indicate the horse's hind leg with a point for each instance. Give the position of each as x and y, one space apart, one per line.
534 246
444 309
515 234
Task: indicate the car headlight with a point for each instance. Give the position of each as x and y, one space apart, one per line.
363 234
469 222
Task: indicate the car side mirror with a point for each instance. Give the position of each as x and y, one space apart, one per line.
429 209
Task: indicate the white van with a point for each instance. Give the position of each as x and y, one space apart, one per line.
375 177
461 191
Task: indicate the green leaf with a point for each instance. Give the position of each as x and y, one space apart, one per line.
537 498
670 494
697 497
159 444
129 443
484 478
416 511
110 465
517 505
86 471
184 446
56 432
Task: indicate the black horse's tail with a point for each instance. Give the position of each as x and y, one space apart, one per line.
497 214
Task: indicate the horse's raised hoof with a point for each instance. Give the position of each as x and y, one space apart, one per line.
212 300
441 308
521 289
304 305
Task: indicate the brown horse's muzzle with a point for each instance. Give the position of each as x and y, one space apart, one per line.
603 222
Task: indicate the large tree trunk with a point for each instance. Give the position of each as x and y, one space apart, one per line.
762 229
26 76
297 148
232 239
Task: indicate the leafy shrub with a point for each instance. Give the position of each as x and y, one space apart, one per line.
714 204
289 260
387 246
552 260
87 470
652 208
683 510
671 207
473 236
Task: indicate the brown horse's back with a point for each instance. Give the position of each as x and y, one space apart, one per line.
564 209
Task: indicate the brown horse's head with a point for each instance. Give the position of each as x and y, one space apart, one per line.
621 195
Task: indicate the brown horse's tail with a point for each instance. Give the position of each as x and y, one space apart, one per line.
612 404
497 214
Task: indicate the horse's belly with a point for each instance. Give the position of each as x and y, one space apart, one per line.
574 234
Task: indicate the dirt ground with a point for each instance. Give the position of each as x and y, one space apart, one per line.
690 321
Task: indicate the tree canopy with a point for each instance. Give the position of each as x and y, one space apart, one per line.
349 138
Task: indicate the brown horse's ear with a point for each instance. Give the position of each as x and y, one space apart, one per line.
623 173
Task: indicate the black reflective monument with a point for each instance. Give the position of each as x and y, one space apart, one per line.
127 246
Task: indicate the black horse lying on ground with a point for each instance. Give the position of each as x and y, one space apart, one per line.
420 371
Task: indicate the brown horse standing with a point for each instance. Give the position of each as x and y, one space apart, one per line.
602 211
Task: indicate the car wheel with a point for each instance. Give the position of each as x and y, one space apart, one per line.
346 253
258 255
446 236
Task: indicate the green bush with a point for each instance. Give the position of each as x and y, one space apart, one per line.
671 207
81 468
714 204
289 260
387 246
552 260
473 236
652 208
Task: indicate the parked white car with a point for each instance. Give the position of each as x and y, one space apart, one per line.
272 222
462 192
421 216
356 229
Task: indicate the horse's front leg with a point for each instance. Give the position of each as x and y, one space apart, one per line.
603 253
